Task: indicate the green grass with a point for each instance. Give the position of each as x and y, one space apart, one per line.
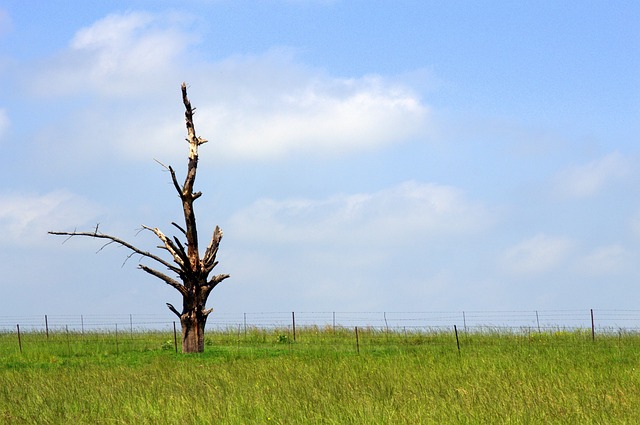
264 377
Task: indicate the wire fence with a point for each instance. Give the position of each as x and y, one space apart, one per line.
540 320
113 334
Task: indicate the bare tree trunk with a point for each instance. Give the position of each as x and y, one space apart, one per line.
192 270
192 332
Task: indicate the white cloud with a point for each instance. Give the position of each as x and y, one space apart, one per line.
311 115
408 213
355 245
251 107
26 219
538 254
119 55
608 259
587 180
4 123
316 114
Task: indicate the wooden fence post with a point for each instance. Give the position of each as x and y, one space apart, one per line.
19 339
455 329
357 342
175 337
293 319
66 328
593 327
46 326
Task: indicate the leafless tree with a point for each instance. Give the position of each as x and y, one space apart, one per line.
193 281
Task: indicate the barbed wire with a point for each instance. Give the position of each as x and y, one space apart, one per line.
510 319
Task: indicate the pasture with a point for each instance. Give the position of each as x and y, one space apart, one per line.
325 376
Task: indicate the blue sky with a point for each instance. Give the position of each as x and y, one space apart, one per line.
363 156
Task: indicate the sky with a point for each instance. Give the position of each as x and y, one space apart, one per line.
362 156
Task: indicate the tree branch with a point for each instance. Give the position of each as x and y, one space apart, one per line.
169 246
209 259
194 141
217 279
206 290
172 308
167 279
184 232
120 242
175 182
180 247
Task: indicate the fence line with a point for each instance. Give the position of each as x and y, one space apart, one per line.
594 319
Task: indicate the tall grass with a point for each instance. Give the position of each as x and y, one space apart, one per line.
264 376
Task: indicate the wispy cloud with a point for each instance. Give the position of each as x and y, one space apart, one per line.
117 56
26 219
4 123
538 254
586 180
315 114
405 213
252 107
605 260
356 244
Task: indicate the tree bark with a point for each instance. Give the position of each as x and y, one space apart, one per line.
193 322
195 285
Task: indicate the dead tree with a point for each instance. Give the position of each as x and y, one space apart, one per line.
193 272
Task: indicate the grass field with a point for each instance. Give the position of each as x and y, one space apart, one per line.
264 377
